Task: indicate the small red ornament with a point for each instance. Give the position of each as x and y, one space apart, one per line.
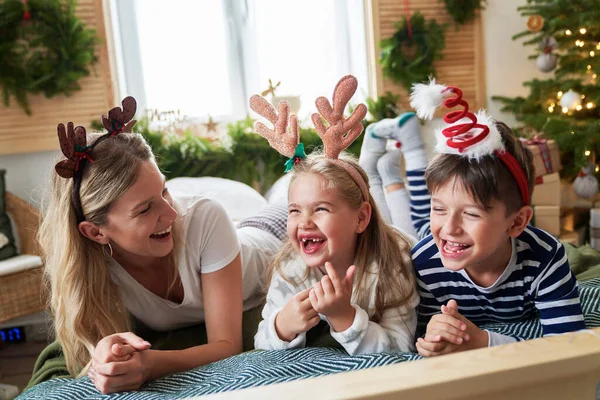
26 13
398 145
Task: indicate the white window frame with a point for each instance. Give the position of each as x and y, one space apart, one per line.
243 60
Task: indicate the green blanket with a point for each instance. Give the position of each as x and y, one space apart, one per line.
584 261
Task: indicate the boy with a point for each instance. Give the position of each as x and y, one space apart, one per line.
482 262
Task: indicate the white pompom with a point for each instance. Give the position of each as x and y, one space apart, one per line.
425 98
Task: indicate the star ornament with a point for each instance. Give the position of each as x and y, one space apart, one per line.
211 126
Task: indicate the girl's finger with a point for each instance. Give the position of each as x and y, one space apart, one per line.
327 285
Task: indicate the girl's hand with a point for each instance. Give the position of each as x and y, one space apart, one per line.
121 376
296 317
331 297
110 353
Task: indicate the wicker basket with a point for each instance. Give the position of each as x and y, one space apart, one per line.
20 292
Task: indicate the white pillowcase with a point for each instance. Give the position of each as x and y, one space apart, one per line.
239 199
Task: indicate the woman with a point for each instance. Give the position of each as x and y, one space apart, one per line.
116 244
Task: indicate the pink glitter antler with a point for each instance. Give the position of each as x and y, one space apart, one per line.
280 138
341 131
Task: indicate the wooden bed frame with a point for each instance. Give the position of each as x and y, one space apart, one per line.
559 367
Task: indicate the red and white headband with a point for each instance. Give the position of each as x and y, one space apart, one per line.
469 135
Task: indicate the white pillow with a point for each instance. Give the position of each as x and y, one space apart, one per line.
239 199
278 193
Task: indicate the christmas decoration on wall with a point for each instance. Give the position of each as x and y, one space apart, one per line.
463 11
407 57
44 49
535 23
570 100
546 61
586 184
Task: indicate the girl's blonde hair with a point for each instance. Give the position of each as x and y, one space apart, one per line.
379 243
85 303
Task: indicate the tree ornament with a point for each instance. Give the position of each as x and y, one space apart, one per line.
535 23
571 100
47 55
586 184
547 61
407 57
26 12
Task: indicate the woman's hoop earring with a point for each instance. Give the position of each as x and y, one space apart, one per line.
109 248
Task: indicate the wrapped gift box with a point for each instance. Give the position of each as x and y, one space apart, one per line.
546 158
547 190
547 218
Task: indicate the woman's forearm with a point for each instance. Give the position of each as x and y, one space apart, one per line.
164 362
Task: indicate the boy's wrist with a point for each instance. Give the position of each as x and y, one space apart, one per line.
481 339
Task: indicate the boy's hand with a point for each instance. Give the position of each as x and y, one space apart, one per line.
450 332
296 317
331 297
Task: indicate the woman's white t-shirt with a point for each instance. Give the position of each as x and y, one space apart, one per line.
211 242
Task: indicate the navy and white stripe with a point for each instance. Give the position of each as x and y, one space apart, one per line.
420 201
538 280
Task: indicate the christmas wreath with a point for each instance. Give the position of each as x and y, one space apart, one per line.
463 11
44 49
407 57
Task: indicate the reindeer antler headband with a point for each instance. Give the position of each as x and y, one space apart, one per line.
467 134
336 137
73 144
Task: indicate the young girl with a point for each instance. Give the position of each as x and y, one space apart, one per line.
116 243
342 263
482 262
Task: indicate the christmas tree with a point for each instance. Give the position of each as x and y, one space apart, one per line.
565 107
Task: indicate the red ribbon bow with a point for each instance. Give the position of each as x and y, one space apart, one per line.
534 140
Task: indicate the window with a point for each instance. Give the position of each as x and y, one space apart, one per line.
207 57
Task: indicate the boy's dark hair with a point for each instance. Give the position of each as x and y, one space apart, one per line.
488 178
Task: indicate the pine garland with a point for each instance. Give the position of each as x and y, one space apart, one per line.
44 49
249 158
463 11
407 57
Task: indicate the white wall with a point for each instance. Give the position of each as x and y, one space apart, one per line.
506 63
27 174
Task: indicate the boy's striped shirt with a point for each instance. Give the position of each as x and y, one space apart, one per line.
537 279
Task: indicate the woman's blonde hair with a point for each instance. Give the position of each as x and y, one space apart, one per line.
85 303
379 243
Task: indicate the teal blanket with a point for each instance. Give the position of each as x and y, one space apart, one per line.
258 368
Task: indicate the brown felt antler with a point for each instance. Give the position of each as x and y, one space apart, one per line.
73 146
341 131
119 120
280 138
